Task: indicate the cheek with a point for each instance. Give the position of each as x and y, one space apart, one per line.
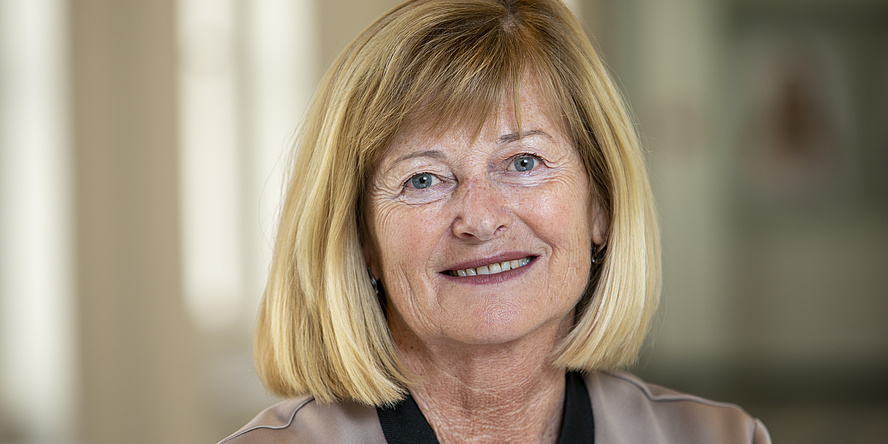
403 235
559 214
560 217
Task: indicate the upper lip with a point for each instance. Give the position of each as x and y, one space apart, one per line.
501 257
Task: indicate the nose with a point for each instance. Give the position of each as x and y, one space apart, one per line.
481 212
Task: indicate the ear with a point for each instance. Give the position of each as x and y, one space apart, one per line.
600 223
371 259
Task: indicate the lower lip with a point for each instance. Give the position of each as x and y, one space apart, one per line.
483 279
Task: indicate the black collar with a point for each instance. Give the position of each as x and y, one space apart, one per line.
403 423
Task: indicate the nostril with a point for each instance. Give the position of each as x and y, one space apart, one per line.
480 212
482 225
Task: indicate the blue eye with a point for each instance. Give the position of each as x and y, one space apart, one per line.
423 180
524 163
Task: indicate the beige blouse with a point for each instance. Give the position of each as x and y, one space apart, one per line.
625 409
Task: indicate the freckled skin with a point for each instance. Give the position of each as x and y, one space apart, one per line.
480 207
483 348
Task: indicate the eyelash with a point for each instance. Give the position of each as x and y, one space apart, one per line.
533 156
539 161
408 185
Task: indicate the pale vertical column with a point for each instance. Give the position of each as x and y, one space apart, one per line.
36 307
247 72
140 376
281 65
210 169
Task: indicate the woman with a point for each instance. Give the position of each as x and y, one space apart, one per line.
468 247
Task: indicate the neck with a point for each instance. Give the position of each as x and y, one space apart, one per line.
488 393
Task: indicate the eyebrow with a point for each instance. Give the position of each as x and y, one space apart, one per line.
437 154
434 154
514 137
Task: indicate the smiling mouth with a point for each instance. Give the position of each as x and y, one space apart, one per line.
494 268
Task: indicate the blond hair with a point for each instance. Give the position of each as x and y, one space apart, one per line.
321 328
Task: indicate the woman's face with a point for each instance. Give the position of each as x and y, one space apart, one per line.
482 240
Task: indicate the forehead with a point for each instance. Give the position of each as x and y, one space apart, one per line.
534 110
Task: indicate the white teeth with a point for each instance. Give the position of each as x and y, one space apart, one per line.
492 268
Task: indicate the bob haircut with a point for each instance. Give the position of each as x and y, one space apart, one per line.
321 328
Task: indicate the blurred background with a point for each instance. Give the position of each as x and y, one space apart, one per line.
140 171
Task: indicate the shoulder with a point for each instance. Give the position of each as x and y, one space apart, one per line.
303 420
627 410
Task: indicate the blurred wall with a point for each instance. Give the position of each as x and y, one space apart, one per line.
138 356
764 122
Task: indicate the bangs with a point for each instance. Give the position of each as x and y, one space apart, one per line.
458 70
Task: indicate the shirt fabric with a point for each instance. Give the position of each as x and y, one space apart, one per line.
626 411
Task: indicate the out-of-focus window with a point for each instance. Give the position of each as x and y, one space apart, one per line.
246 72
36 306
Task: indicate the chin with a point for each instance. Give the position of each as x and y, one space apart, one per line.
501 326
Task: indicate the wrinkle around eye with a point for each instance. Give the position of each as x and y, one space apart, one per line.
441 189
411 182
541 171
538 162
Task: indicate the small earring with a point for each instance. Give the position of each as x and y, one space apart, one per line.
597 254
373 281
